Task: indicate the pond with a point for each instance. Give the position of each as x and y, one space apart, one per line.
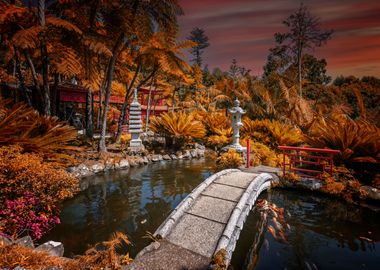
133 201
324 233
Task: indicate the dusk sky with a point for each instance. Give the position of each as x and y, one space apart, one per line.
244 29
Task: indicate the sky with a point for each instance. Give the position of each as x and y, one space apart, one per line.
244 29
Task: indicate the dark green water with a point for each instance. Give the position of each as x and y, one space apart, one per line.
325 233
131 201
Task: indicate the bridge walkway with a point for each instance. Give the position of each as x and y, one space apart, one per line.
208 220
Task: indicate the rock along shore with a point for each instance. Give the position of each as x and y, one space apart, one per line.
92 167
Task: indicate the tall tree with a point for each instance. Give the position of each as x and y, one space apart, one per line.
160 53
199 37
41 43
44 58
314 70
137 21
304 34
236 71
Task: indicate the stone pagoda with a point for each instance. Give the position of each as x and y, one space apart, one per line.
236 113
135 123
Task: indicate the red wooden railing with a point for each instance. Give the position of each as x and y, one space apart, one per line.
320 160
248 154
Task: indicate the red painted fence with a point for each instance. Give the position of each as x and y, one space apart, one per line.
310 162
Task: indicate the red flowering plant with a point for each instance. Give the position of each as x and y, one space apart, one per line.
23 216
30 193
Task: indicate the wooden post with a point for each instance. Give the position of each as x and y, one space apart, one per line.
283 165
248 153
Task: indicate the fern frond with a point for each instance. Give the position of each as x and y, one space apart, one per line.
27 38
61 23
65 60
10 13
97 46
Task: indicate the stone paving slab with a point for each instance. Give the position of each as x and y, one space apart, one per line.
238 179
169 256
263 169
212 208
224 192
197 234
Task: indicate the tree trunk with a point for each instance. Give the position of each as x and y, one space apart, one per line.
148 107
22 88
89 115
299 72
123 112
111 66
101 93
34 74
128 94
173 99
55 101
45 59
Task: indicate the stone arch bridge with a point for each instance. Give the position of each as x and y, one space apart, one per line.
207 221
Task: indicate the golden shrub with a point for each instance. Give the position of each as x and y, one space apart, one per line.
292 177
95 259
257 130
218 140
125 138
358 141
263 155
35 133
33 188
179 126
333 187
271 133
284 134
230 159
218 128
343 183
216 123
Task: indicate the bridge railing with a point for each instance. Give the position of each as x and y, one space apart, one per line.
309 162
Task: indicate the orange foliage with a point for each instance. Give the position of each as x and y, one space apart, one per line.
106 258
24 176
46 136
343 184
358 141
230 159
179 125
272 133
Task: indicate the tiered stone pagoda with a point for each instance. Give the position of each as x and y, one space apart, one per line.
135 123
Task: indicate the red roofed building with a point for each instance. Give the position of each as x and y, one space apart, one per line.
157 102
77 95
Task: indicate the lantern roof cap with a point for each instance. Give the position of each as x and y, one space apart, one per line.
237 108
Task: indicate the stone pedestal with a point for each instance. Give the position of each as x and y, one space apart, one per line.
135 123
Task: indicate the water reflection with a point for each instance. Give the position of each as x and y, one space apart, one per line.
325 234
132 201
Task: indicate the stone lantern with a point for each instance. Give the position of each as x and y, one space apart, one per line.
135 123
236 113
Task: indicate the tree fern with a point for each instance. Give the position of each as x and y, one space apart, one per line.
27 38
53 21
10 13
64 60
